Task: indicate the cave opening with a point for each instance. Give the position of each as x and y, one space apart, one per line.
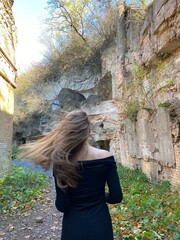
103 144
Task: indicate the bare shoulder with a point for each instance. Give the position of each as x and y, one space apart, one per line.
100 153
104 153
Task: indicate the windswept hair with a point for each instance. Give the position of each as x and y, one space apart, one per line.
60 147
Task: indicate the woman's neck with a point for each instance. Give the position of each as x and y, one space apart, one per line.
83 154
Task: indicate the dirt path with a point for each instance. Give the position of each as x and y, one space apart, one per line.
41 222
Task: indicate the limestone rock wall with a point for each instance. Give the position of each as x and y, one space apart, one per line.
7 83
160 31
151 140
82 79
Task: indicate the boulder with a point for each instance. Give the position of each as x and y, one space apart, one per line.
70 99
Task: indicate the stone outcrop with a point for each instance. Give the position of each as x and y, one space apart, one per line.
151 140
70 99
81 79
7 83
160 32
148 142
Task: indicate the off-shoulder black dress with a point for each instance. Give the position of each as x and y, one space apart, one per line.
86 215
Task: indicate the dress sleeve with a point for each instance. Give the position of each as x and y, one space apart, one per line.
62 198
115 194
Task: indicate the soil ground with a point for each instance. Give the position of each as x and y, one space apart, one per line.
40 222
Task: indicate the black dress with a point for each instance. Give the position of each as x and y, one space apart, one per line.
86 214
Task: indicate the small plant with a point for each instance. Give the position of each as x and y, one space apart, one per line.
15 152
21 190
134 91
139 72
164 105
168 84
161 65
132 108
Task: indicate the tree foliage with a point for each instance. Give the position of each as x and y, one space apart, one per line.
76 29
28 95
86 18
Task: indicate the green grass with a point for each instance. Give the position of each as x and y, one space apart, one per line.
148 211
21 190
15 151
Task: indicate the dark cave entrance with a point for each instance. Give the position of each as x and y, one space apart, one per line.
103 144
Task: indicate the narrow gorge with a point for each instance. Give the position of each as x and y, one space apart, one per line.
131 92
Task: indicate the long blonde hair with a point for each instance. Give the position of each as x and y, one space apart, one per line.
60 147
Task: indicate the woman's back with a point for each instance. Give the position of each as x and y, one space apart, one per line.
91 186
85 211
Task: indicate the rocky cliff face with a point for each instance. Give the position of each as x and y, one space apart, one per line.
150 141
132 91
